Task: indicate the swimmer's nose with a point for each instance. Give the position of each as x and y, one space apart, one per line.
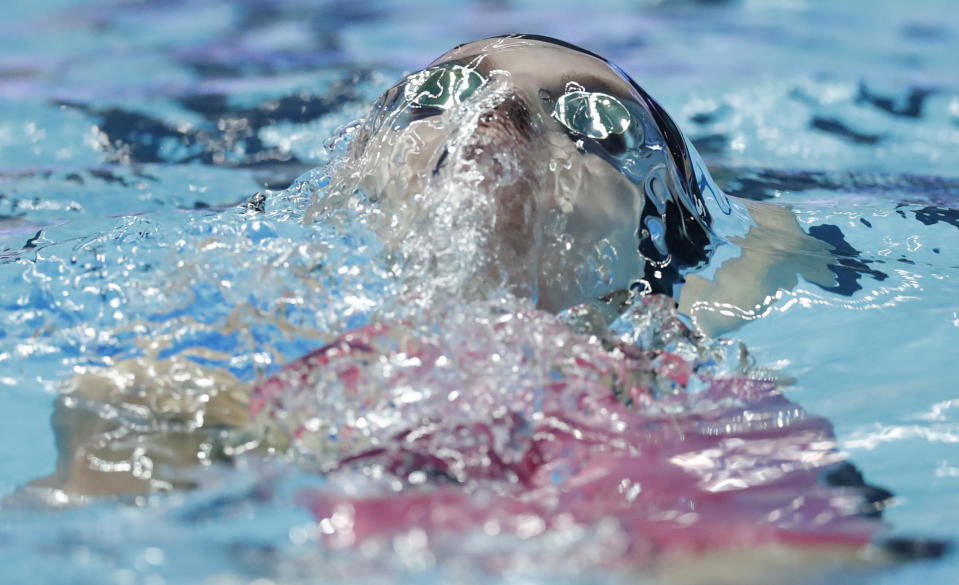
509 121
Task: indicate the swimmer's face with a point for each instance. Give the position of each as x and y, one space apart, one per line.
561 91
579 161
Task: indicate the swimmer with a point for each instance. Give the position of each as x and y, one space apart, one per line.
565 182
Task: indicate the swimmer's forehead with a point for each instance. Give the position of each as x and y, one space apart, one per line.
544 64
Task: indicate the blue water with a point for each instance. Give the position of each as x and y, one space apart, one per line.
132 134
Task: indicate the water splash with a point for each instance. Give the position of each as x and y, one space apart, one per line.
500 437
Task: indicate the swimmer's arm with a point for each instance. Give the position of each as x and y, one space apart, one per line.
132 428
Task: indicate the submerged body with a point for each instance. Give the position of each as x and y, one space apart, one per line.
650 454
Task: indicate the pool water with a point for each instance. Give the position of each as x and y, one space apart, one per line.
133 137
